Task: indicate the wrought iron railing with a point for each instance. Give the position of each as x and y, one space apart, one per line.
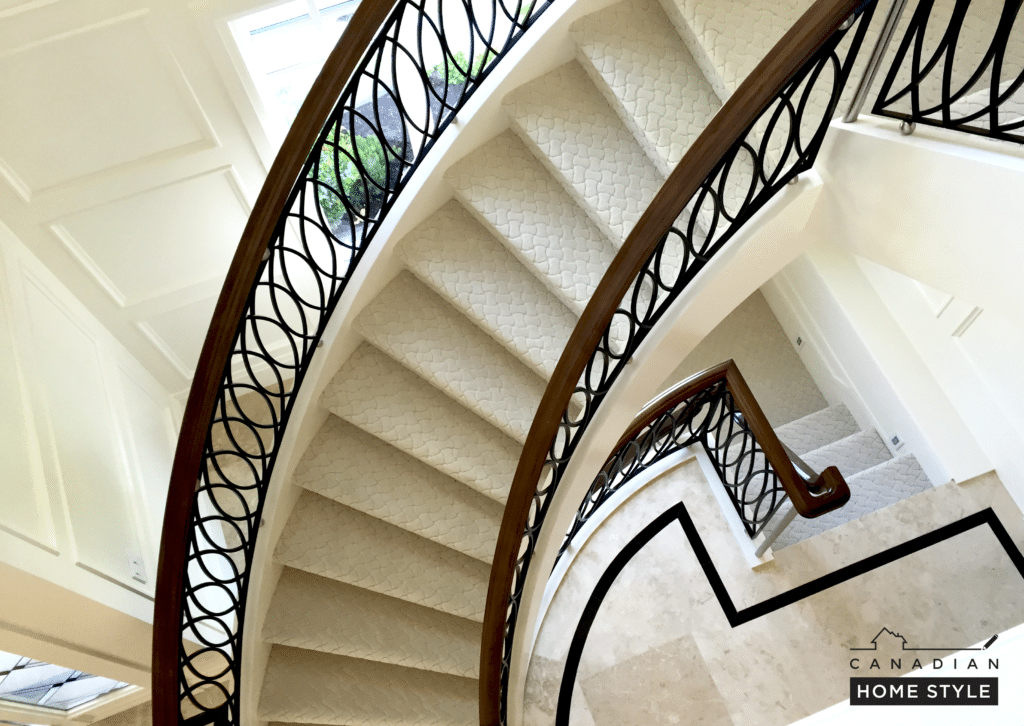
715 410
959 65
396 80
765 136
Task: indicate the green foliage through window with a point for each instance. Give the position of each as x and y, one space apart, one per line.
456 76
359 188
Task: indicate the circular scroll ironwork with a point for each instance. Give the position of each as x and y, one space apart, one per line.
780 144
936 79
423 65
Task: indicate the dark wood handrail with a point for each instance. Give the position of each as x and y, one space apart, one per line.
782 63
829 484
231 304
666 425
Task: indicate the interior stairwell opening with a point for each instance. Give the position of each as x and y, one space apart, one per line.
661 642
821 430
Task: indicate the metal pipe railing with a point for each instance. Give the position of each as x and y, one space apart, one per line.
807 473
875 61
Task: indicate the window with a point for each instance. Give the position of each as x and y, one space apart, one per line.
33 682
284 48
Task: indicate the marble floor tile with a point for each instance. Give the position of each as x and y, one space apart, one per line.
668 684
600 549
661 643
649 604
543 683
543 680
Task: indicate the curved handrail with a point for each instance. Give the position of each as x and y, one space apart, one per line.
701 410
643 281
980 100
339 172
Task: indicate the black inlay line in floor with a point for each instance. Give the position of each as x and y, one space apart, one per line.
735 617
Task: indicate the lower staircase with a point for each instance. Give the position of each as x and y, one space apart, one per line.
831 437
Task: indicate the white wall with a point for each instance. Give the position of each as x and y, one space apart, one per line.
910 301
86 442
941 207
858 354
974 355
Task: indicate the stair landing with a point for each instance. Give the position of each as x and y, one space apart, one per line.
661 644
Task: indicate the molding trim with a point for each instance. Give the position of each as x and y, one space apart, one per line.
81 30
176 75
153 337
25 7
71 245
66 238
11 177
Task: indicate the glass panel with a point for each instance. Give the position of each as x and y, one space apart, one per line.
23 680
27 695
77 692
7 662
41 674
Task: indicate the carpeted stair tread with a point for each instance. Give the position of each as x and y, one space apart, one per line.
505 187
413 325
870 490
460 260
576 134
638 61
317 613
358 470
308 687
329 539
378 395
851 454
818 429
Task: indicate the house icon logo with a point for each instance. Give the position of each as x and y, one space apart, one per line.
891 640
888 640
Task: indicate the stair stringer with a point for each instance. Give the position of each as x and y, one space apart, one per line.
767 243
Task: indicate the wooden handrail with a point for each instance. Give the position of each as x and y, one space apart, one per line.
265 217
782 63
666 426
829 485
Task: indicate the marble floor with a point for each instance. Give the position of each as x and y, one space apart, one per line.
662 651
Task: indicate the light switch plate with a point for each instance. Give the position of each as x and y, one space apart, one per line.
136 567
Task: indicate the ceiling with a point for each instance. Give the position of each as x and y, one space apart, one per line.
131 150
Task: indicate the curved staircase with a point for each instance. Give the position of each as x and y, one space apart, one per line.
376 618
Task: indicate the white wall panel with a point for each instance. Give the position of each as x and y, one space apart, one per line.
173 333
184 233
94 480
99 432
871 365
978 368
151 438
86 436
945 214
25 510
48 81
